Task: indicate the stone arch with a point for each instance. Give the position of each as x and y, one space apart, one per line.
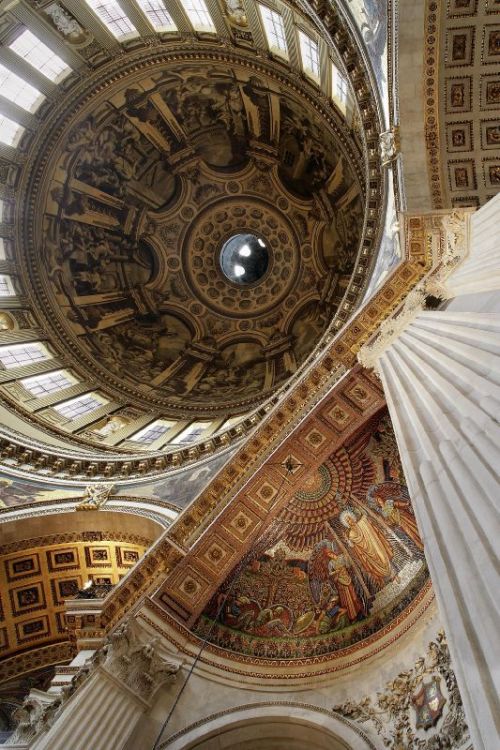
275 726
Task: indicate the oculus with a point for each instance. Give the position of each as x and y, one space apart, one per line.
244 258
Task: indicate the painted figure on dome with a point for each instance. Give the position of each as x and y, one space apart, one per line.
370 546
392 501
326 566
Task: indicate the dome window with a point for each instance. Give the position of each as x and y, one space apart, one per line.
49 382
275 30
340 88
113 17
10 131
244 258
18 91
191 433
157 15
18 355
81 405
198 14
39 56
152 432
309 50
6 286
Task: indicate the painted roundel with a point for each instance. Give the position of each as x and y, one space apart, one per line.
140 198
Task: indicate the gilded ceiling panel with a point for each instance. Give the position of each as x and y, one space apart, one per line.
468 91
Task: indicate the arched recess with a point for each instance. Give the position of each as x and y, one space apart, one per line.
276 726
45 560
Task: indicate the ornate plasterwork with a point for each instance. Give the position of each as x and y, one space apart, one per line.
286 705
123 291
39 574
96 495
462 99
448 235
431 98
423 698
46 656
129 657
133 660
288 670
420 256
356 67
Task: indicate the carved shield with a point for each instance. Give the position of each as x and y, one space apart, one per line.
428 703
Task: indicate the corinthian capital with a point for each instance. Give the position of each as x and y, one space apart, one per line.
390 329
134 659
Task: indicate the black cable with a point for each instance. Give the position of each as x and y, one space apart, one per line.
289 466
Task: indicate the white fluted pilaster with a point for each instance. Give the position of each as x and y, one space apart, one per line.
441 378
101 715
480 271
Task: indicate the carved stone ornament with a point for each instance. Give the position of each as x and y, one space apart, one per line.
135 662
391 328
389 146
96 496
457 246
126 655
453 230
236 12
412 713
35 715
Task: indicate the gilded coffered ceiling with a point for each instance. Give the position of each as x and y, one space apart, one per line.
463 101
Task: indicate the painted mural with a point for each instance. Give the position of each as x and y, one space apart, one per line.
178 489
341 561
148 186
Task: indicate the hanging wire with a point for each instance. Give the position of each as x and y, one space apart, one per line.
289 465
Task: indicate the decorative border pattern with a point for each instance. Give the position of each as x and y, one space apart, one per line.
432 135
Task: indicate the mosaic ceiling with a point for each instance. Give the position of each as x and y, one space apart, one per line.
341 561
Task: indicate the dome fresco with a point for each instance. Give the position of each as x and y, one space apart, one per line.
127 178
189 213
135 204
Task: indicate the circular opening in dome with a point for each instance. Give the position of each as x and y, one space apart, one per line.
244 258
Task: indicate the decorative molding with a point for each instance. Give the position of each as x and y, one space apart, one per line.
448 236
414 700
251 706
96 495
431 53
37 658
127 656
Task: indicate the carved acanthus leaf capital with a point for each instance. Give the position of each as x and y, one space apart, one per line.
135 660
34 716
450 233
391 329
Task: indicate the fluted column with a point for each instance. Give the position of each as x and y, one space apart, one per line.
441 379
441 376
101 715
100 708
480 271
